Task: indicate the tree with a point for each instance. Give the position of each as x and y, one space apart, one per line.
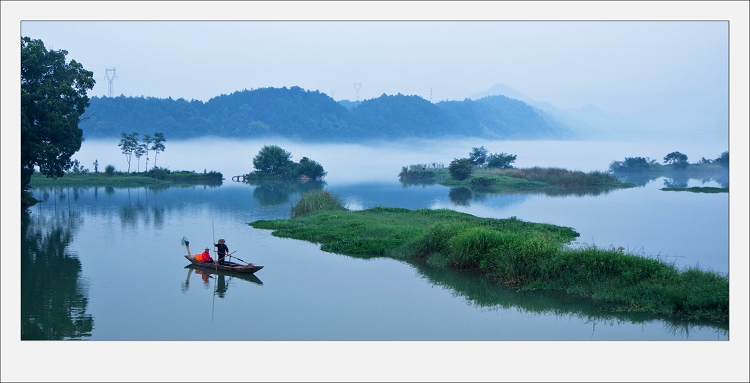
272 160
677 159
158 146
460 169
501 161
478 156
53 98
128 145
140 150
310 169
723 159
146 142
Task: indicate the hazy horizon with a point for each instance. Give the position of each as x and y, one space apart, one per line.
666 76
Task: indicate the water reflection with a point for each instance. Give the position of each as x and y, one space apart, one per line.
54 298
482 292
676 178
274 193
220 277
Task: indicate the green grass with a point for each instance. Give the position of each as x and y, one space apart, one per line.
525 255
153 177
697 189
513 180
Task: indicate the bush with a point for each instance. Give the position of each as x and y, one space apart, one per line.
482 182
460 169
109 170
316 200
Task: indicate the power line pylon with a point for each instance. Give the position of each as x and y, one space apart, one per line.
110 79
356 88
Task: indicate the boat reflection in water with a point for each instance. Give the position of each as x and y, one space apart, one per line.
222 278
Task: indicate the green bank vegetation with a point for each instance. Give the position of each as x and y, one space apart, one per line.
493 173
527 256
697 189
112 177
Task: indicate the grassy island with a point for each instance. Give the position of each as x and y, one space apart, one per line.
528 256
494 180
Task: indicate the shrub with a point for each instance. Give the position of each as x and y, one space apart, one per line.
460 169
316 200
482 182
109 170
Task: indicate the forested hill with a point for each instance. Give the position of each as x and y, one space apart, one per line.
313 116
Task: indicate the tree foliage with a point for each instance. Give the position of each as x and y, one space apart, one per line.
273 162
460 169
53 98
158 145
723 159
501 161
677 159
128 145
478 156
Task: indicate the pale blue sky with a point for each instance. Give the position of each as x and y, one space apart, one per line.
669 75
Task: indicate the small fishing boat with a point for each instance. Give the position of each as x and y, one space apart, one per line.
227 266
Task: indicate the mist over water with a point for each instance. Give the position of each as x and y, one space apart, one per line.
382 161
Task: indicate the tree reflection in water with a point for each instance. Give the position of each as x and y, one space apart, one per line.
54 297
274 193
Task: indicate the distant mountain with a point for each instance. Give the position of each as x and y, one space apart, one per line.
349 104
588 122
300 114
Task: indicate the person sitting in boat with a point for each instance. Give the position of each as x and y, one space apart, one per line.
206 256
223 250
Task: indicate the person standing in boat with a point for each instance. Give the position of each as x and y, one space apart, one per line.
222 249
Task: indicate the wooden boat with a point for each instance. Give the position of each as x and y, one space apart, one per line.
227 266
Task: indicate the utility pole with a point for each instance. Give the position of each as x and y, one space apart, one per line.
430 94
110 79
356 88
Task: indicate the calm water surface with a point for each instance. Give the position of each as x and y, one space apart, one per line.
125 278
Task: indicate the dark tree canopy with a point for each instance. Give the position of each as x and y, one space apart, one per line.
53 98
501 160
677 159
478 156
460 169
273 162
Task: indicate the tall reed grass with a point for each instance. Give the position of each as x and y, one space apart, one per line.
317 200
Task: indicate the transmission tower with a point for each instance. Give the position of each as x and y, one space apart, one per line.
332 93
356 88
110 79
430 94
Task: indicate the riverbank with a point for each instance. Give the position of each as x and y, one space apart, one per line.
699 189
154 177
527 256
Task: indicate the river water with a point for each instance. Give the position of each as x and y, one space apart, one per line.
108 263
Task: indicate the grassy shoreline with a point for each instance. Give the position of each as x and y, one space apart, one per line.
699 189
119 179
524 255
514 179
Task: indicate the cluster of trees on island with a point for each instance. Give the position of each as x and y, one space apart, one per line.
274 163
